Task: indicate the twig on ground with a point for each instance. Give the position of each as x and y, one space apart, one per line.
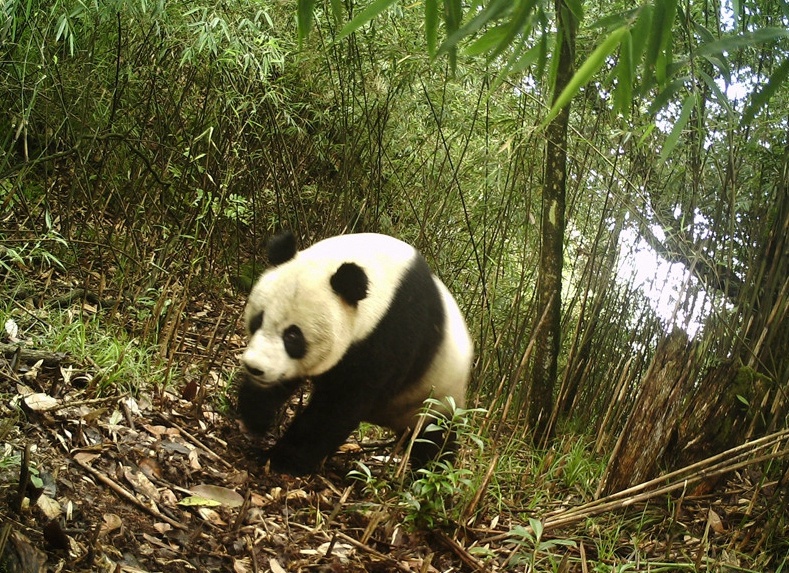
189 436
126 495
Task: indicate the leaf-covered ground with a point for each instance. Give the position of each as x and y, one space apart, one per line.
161 479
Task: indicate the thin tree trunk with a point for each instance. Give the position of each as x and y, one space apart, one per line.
549 284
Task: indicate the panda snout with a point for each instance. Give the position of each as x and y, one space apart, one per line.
252 371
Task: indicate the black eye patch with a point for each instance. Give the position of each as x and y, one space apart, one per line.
255 322
295 344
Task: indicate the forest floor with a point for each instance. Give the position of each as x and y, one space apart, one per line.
164 480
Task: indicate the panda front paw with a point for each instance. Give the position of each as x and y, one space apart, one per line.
293 461
261 408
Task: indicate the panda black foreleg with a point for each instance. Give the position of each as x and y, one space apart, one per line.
433 443
260 407
317 431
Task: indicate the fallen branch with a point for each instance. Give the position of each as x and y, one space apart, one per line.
731 460
30 356
125 494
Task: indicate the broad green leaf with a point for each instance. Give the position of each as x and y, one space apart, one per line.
640 32
666 41
660 35
588 69
676 131
528 58
431 26
373 10
577 8
760 98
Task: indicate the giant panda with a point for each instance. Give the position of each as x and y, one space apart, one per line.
364 318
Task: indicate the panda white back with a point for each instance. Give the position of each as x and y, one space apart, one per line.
366 320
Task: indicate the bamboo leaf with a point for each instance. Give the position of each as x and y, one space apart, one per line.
666 39
487 41
676 131
613 21
623 93
720 96
667 94
431 26
733 43
588 69
304 13
373 10
336 8
518 23
490 13
760 98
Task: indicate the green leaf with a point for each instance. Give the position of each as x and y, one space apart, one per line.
667 94
676 131
431 26
587 70
336 9
304 14
760 98
491 12
373 10
613 21
518 23
733 43
720 96
487 41
662 23
623 93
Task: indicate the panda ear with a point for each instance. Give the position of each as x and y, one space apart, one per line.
350 282
281 248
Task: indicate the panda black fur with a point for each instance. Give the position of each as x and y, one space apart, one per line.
365 319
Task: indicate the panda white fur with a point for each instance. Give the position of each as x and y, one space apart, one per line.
364 318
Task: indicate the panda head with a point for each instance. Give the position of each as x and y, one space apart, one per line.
300 314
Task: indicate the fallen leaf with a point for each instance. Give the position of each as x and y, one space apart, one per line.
141 484
40 402
715 521
111 523
198 501
150 468
223 495
211 516
275 566
49 506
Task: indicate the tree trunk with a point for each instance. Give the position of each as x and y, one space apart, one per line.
657 410
549 283
725 411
